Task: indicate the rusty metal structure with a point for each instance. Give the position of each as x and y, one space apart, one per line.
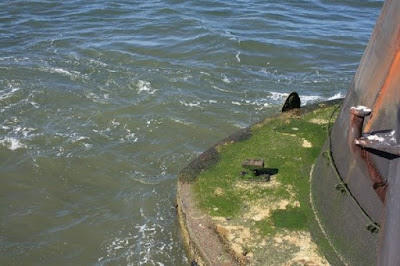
356 181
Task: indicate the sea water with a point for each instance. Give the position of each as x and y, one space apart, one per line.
102 103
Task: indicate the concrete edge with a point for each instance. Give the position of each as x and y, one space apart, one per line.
203 245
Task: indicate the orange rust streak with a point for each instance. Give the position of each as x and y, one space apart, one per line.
393 72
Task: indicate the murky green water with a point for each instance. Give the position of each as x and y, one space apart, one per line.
103 102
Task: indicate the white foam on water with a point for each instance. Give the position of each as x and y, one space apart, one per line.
96 98
14 59
115 123
21 102
132 137
34 104
96 62
12 143
313 81
61 151
205 73
79 138
181 122
186 77
231 36
192 104
219 89
225 79
240 125
5 58
276 96
60 71
26 131
147 241
145 86
265 71
117 244
7 94
68 73
237 57
260 104
338 95
309 99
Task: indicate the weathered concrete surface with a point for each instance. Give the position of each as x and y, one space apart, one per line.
198 230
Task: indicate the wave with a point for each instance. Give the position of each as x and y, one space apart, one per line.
68 73
192 104
12 143
338 95
145 86
305 99
237 57
7 94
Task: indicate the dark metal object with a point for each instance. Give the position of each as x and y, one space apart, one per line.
387 143
292 102
266 171
257 171
380 141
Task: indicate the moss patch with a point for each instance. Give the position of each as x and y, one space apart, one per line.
280 143
289 144
291 218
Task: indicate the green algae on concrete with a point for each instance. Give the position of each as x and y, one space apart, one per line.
267 222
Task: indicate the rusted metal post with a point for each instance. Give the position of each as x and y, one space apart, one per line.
357 115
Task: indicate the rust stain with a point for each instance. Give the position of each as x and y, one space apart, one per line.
393 73
378 183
